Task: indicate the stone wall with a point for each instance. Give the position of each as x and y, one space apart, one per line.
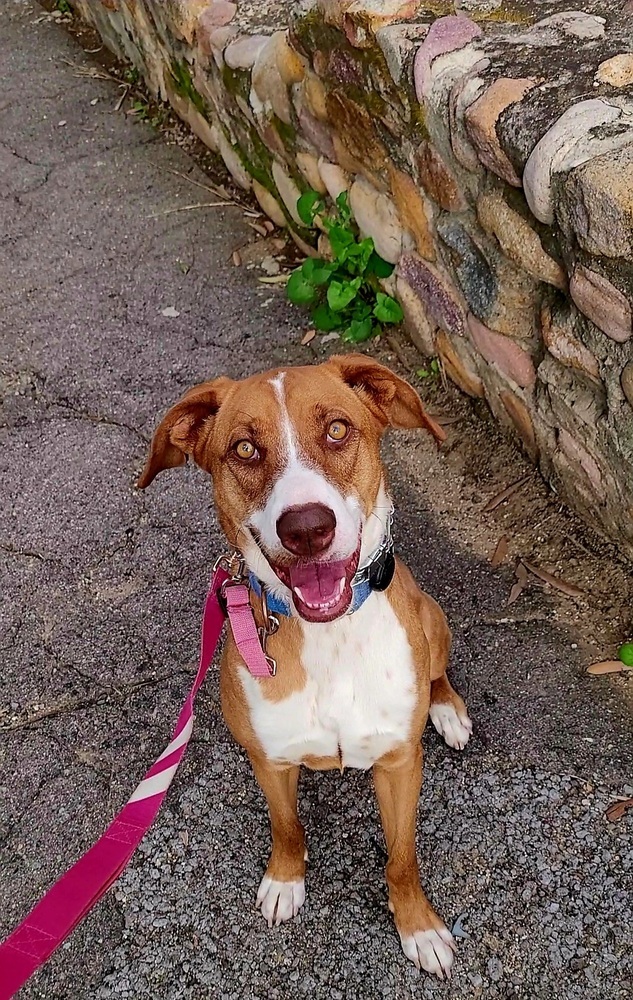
489 153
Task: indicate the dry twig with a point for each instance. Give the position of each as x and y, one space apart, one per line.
221 192
189 208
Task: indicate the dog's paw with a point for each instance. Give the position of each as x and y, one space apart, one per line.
454 728
431 950
280 901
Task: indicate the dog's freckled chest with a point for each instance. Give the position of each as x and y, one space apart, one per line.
359 695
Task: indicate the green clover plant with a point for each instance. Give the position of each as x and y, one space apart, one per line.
343 293
431 372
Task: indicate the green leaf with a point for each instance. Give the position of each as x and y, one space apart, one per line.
361 310
423 373
299 291
340 240
359 254
308 205
342 204
381 268
340 294
387 310
316 271
359 329
435 366
625 653
324 319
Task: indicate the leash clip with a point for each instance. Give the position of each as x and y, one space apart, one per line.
270 626
234 564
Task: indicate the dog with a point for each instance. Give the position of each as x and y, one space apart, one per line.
300 492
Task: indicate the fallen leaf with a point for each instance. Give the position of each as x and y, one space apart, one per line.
554 581
258 229
171 312
235 257
307 337
276 279
327 337
184 836
522 579
500 552
606 667
505 494
617 809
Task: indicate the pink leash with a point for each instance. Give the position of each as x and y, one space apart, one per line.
75 893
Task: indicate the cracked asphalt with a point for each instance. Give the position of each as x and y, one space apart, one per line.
102 591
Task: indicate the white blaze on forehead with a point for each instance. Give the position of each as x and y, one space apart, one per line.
286 426
301 482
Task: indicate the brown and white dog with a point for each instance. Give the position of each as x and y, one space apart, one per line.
300 491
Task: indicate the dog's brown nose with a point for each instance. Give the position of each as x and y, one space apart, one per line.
307 530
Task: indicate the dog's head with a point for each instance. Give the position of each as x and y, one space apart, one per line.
295 459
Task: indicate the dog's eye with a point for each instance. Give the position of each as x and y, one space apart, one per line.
246 450
337 431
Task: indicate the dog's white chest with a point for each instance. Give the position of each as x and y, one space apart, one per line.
359 694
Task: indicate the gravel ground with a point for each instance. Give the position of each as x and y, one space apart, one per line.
512 856
102 590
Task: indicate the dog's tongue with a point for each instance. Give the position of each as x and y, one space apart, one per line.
318 582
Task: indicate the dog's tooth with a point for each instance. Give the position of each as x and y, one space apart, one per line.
300 596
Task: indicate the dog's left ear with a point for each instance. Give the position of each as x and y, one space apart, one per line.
178 433
392 400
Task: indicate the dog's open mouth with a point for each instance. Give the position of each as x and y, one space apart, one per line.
321 591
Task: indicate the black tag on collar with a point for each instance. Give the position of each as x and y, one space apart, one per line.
382 570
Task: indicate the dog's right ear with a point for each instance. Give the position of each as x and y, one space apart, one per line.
179 431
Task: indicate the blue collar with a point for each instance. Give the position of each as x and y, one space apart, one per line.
376 574
277 605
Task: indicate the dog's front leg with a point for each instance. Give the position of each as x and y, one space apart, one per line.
425 939
282 890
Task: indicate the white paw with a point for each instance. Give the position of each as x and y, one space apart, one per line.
455 729
430 950
280 901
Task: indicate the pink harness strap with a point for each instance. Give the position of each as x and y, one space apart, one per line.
245 632
75 893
